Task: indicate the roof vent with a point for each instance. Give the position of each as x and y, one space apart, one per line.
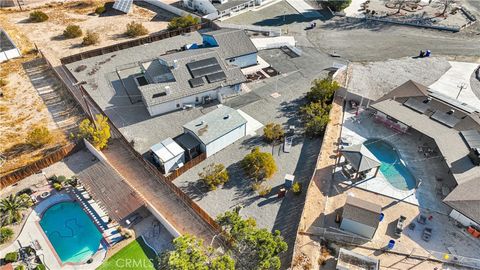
451 111
201 123
227 116
167 90
175 64
427 100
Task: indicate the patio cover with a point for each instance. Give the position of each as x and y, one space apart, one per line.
110 190
360 157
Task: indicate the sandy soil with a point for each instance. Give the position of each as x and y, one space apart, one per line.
48 35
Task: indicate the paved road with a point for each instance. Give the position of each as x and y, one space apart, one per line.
361 42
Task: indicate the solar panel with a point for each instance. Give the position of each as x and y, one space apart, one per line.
196 82
202 63
123 5
472 137
416 105
205 71
216 77
447 119
458 104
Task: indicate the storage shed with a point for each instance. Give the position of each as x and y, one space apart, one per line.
360 217
168 155
217 129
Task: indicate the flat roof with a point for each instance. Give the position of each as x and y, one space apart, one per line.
215 124
167 150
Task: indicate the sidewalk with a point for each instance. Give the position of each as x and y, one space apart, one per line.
305 9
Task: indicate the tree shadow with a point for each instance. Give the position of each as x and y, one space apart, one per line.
196 190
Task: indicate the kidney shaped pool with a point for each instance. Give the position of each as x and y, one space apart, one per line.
71 232
396 173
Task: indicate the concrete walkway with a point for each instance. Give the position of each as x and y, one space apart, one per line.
305 9
353 9
449 83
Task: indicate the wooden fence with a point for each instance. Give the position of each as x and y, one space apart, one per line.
176 173
137 42
38 165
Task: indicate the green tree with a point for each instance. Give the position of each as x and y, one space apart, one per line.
6 234
253 248
11 208
214 175
96 133
273 132
39 136
189 253
259 165
136 29
38 16
316 117
183 22
72 31
322 91
338 5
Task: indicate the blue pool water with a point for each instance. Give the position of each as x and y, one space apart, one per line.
71 232
392 167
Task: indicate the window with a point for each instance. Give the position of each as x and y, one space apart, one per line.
231 60
392 119
178 105
196 99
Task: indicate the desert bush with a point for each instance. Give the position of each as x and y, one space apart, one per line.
264 190
40 267
273 132
3 82
72 31
214 175
99 10
38 16
182 22
90 38
20 267
6 234
11 257
136 29
39 136
259 165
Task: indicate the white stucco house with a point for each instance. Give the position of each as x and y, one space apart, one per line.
217 129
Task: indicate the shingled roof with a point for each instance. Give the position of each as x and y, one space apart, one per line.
360 157
232 42
362 211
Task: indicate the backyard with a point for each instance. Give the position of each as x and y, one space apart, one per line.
136 255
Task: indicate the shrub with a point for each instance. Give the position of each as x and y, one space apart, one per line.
60 179
3 82
57 186
273 132
38 16
99 10
6 234
27 191
297 188
316 117
40 267
136 29
214 175
90 38
96 133
11 257
39 136
182 22
322 91
72 31
264 190
20 267
338 5
259 165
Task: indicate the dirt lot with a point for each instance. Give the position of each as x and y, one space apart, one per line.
48 35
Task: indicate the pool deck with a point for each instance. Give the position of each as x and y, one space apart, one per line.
425 170
32 232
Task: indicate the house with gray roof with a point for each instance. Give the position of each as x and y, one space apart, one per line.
455 128
217 129
214 9
360 217
234 46
185 79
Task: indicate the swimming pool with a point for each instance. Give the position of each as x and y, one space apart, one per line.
71 232
392 167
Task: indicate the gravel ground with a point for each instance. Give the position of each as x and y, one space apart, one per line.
374 79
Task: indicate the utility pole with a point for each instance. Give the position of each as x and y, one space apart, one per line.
461 86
